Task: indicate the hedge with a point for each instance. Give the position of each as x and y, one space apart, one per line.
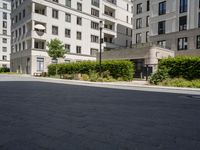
4 69
186 67
118 69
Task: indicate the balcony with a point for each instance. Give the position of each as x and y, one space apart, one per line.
40 9
112 1
109 11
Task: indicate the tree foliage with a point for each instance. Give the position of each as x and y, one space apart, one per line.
56 49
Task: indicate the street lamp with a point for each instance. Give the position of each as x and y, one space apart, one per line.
101 41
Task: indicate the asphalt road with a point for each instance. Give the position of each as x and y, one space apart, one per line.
50 116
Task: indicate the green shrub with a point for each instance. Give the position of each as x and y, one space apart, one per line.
116 69
159 76
4 70
186 67
93 75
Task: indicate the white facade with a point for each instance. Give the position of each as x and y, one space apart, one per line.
5 33
74 22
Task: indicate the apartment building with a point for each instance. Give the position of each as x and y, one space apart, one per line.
75 23
173 24
5 25
141 21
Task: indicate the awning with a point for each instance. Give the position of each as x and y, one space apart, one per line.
40 27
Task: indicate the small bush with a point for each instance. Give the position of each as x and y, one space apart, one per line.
4 70
159 76
93 76
85 77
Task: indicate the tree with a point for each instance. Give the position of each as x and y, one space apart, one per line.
56 49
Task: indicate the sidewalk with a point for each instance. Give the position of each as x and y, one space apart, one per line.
133 85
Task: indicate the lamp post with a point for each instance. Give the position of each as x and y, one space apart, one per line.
101 41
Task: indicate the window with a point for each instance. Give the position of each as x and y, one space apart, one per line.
182 43
162 43
23 45
67 33
4 32
94 39
24 13
79 20
67 47
198 42
68 3
55 1
4 49
4 40
95 3
55 13
147 21
20 16
95 25
94 12
78 49
162 8
78 35
183 6
147 36
127 7
183 23
139 8
79 6
54 30
127 19
40 64
138 23
4 16
199 20
148 5
5 6
161 27
24 29
39 45
138 38
93 51
4 24
4 57
67 17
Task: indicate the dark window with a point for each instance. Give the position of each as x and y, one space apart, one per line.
161 27
198 42
95 3
162 8
147 21
199 20
138 23
148 5
183 23
138 38
182 43
139 8
183 6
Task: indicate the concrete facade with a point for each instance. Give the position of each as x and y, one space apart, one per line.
175 30
143 56
75 23
5 25
180 20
